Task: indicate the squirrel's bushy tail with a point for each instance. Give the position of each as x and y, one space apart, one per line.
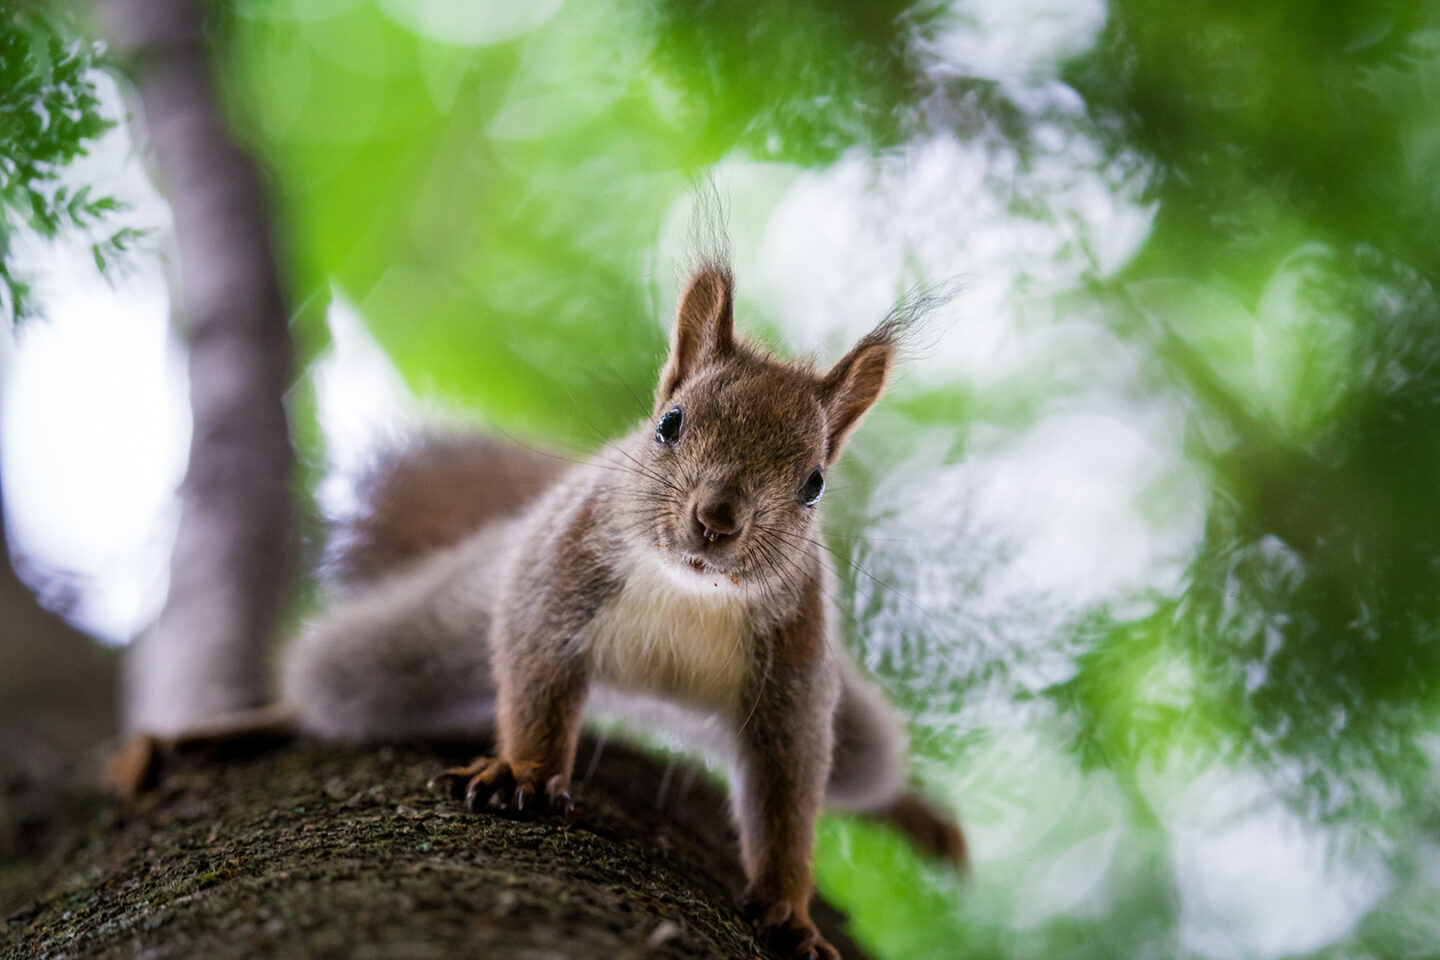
429 493
402 651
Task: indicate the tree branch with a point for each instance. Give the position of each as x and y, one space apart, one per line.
319 851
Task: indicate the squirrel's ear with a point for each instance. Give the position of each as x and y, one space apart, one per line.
704 327
853 385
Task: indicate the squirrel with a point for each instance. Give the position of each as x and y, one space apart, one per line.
483 581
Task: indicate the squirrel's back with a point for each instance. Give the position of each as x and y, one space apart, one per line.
429 493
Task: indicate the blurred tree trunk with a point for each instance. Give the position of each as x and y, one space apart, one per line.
323 851
57 685
230 570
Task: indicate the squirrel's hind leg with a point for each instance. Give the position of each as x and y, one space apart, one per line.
135 767
867 773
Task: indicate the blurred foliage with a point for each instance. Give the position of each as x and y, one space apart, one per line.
49 114
511 192
1276 124
1290 284
801 82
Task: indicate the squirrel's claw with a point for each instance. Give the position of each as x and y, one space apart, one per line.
488 781
776 922
493 783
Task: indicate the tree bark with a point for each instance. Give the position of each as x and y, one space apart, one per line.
230 569
324 851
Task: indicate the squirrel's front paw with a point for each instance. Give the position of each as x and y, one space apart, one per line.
786 929
498 783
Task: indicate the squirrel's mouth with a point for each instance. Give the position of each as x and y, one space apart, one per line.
706 569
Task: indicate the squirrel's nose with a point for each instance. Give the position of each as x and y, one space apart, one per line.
717 519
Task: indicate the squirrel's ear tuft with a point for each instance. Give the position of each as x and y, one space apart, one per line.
704 327
853 385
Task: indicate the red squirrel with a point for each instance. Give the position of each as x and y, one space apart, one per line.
482 581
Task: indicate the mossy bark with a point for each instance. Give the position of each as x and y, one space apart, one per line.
321 851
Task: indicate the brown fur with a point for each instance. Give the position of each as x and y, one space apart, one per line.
541 677
929 829
850 389
799 640
703 327
786 746
430 494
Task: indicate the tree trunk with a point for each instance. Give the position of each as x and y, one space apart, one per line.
57 692
323 851
230 570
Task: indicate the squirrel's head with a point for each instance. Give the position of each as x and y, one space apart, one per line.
740 443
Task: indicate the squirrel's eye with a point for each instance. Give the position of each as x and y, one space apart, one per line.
667 431
814 486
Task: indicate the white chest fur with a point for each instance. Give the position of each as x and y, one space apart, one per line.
673 634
